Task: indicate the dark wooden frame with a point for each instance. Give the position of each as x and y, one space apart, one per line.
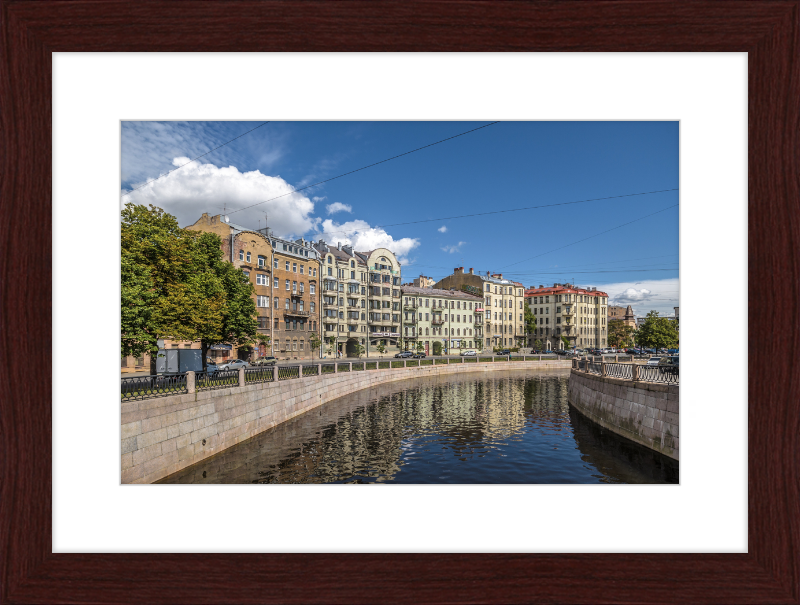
767 30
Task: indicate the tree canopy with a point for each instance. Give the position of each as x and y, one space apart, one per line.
619 334
657 332
175 284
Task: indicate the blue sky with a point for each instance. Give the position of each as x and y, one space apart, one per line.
501 167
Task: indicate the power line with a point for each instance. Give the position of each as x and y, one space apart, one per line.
448 218
365 167
194 160
591 236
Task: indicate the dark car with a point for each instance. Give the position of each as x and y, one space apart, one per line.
672 351
419 355
404 354
503 352
669 365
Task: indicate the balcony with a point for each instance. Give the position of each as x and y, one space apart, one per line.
411 320
295 313
410 307
568 311
296 294
437 321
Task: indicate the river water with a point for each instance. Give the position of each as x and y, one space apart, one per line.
501 427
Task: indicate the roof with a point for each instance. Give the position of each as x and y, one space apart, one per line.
439 292
562 290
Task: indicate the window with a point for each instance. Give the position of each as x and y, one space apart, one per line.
261 279
353 264
247 275
294 286
330 260
248 257
287 265
262 261
263 301
301 270
312 288
287 284
313 305
275 263
241 254
294 267
275 285
352 274
263 323
286 307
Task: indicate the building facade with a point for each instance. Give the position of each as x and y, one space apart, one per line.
451 317
344 300
285 277
383 301
578 314
504 300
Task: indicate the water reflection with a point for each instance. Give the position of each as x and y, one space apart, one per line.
503 427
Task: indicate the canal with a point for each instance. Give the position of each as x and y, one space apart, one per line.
501 427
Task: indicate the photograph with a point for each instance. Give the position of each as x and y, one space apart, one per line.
399 302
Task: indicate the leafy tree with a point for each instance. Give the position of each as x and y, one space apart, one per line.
530 321
657 332
359 350
331 340
381 348
538 344
191 292
565 340
479 344
619 334
420 347
314 342
437 347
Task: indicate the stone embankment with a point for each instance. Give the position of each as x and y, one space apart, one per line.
164 435
644 412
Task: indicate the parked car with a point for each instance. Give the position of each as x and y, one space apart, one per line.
403 354
211 367
233 364
669 365
653 361
548 352
503 352
265 361
418 355
672 351
469 353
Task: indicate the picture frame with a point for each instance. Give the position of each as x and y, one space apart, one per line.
768 30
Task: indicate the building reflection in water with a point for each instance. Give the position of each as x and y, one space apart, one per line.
499 427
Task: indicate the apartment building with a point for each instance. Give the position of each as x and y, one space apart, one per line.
383 300
579 314
452 317
344 299
504 299
285 276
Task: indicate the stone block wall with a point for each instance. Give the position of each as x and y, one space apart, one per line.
163 435
644 412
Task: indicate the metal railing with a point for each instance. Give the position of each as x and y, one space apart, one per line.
625 371
288 372
620 370
223 379
144 387
667 374
265 374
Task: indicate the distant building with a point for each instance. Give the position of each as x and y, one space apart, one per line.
423 282
504 300
452 317
578 314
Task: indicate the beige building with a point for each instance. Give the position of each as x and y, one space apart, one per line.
451 317
423 282
578 314
504 302
383 300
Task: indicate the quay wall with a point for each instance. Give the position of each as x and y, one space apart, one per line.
163 435
644 412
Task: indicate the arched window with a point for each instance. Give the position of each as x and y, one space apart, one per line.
248 257
458 332
426 332
353 264
445 331
294 345
302 343
330 260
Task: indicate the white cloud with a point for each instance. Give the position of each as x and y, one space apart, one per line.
363 237
316 199
442 229
337 207
198 188
644 296
452 249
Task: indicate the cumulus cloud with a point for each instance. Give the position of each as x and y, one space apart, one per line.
452 249
442 229
363 237
198 188
660 295
338 207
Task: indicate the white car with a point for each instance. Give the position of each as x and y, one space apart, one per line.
233 364
469 353
653 361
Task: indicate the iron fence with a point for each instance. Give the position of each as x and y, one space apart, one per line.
485 359
145 387
359 366
223 379
328 368
439 362
620 370
288 372
470 360
426 362
595 367
263 374
398 364
383 365
372 365
312 370
667 374
343 367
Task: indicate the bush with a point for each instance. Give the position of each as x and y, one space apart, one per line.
437 348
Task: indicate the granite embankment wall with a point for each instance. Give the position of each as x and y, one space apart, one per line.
163 435
644 412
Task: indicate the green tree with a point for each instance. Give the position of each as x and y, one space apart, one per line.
619 334
657 332
530 321
192 293
314 342
359 350
420 347
331 343
381 348
565 340
437 347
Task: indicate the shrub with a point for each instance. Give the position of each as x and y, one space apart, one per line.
437 348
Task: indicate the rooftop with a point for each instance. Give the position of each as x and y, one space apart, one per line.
439 292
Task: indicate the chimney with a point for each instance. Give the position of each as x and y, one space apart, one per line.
339 245
471 271
457 270
541 286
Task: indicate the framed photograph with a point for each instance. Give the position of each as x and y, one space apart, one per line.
37 572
